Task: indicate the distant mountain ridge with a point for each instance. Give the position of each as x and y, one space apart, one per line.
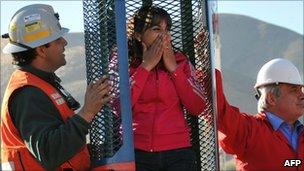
246 44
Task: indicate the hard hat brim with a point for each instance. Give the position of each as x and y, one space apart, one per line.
11 48
278 70
256 86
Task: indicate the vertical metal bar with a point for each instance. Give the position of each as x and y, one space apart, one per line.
210 7
187 29
124 75
111 138
188 48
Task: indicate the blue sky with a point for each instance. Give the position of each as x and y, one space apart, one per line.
70 12
285 13
288 13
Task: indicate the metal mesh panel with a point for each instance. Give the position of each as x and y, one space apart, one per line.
190 34
101 59
206 126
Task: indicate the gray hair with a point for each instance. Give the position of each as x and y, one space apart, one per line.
264 90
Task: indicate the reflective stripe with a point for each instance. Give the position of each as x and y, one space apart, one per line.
36 36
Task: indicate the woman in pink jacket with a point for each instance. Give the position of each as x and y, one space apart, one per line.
162 84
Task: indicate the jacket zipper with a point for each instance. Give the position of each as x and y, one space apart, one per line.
156 109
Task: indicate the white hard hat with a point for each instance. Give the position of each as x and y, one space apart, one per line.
33 26
278 71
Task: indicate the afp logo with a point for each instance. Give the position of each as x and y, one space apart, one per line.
292 162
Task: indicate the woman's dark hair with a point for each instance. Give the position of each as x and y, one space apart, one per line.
145 18
25 57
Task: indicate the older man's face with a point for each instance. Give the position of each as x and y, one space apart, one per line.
291 101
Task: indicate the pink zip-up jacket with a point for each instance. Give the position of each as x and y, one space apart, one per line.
158 98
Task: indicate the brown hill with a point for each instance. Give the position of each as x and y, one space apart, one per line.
246 43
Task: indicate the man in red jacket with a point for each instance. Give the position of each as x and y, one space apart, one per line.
273 139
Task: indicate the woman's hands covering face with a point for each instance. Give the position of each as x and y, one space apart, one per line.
153 53
161 47
168 55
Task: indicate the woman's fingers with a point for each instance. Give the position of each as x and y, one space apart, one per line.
157 46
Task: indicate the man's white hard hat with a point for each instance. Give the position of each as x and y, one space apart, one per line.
33 26
278 71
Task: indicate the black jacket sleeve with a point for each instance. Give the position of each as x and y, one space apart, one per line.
51 140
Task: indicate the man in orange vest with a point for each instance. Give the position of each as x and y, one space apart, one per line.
39 129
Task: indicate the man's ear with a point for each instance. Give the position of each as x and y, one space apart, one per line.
40 50
271 99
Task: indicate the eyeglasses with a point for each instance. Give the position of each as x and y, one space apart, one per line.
257 94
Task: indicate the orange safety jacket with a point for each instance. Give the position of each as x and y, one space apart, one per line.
14 153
